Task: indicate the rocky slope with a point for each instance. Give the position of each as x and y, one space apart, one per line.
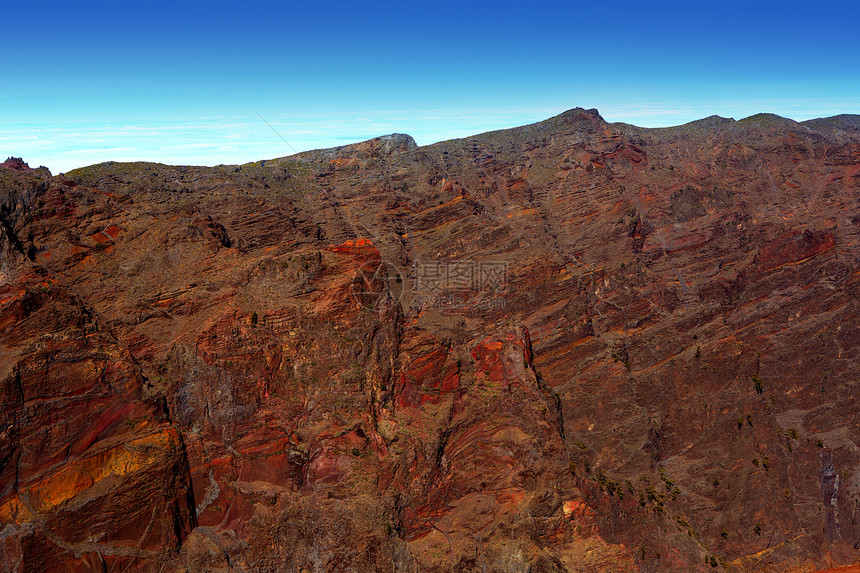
570 346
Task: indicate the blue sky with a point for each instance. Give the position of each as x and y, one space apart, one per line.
183 82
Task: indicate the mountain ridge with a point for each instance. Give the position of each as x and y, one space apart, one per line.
827 126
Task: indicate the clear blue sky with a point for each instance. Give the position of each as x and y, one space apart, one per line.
183 82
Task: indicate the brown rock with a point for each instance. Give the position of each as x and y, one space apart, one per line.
570 346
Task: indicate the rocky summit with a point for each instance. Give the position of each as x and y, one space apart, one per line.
569 346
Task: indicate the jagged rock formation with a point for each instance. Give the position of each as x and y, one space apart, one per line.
570 346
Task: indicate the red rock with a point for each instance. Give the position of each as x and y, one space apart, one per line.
207 368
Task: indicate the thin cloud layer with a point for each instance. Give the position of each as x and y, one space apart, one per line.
249 137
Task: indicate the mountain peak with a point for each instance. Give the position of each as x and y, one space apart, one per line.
580 114
375 147
397 142
16 164
768 120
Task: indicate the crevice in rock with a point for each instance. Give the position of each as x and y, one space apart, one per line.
190 501
9 231
553 400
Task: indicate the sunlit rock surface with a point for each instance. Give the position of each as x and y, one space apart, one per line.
570 346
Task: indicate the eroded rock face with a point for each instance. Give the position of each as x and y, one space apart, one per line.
571 346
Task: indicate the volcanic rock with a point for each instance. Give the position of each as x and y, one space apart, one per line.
568 346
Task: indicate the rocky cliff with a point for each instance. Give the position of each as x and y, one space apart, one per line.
570 346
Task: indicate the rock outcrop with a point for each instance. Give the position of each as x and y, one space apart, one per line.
570 346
